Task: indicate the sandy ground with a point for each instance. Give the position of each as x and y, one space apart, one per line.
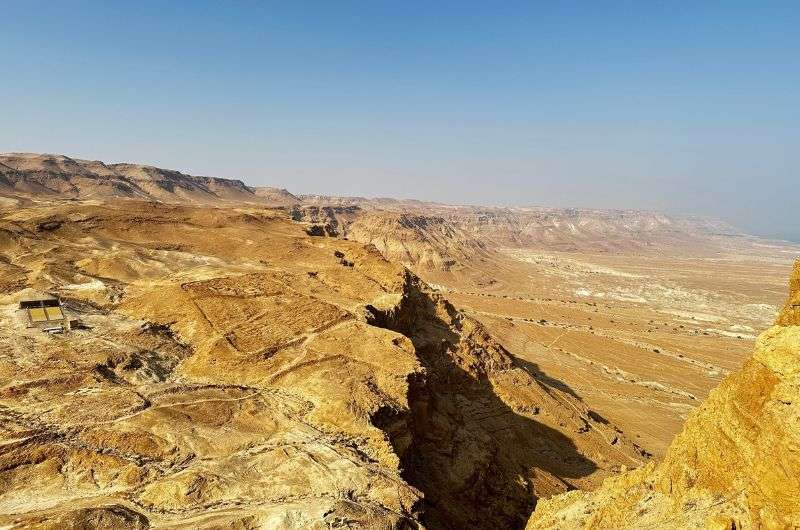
641 338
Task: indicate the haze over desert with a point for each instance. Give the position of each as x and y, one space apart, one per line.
399 265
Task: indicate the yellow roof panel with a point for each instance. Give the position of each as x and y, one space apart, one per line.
38 314
54 313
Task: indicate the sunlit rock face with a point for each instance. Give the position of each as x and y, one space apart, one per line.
46 175
790 314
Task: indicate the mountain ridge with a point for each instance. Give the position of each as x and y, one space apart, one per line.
430 235
47 174
19 171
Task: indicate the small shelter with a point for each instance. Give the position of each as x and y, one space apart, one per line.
44 311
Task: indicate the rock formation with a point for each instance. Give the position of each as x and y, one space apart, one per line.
735 465
790 314
227 369
242 357
429 242
61 176
416 233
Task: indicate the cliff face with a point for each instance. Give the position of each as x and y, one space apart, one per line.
736 464
480 417
423 241
430 242
569 229
790 314
59 176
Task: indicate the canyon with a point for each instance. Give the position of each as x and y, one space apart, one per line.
245 357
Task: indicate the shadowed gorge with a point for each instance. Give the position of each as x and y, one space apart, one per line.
479 462
400 266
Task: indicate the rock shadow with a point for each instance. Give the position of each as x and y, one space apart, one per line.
474 458
533 369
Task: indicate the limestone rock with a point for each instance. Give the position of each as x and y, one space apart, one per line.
790 314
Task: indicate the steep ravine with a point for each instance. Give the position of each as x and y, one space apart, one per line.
478 439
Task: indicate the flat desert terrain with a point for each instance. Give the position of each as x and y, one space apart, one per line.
640 337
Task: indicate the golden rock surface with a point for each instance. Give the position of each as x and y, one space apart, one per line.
228 370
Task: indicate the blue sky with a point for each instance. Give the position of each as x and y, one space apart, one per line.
685 107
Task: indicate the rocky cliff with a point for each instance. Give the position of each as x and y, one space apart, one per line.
44 175
735 465
426 241
790 314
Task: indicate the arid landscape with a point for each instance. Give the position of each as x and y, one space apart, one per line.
246 357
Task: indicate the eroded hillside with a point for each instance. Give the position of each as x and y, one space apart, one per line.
59 176
226 368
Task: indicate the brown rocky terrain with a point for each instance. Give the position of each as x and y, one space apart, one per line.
423 241
431 235
641 316
45 175
250 358
555 229
735 465
228 369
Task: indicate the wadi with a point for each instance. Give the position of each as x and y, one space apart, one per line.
181 351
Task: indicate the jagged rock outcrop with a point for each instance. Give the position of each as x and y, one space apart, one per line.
479 414
735 465
325 220
425 242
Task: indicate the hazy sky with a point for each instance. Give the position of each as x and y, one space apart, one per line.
685 107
